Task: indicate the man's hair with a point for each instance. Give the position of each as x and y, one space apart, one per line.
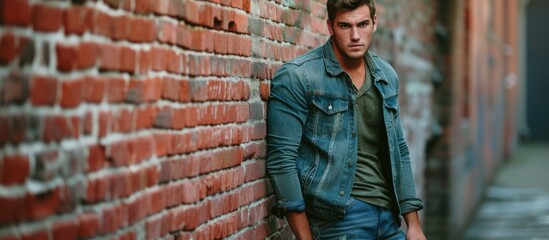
344 5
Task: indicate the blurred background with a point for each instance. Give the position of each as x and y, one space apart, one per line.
145 119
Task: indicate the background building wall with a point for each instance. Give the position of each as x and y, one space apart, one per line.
130 119
476 107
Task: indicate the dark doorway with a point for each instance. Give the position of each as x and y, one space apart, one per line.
537 82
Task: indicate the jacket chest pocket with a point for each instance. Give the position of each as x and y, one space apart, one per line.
326 114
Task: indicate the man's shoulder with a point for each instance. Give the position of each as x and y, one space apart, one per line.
380 61
383 65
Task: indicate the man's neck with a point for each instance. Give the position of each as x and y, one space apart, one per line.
350 65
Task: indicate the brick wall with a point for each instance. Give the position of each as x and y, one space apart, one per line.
128 119
141 119
475 107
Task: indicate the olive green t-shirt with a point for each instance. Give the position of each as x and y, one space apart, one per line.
370 185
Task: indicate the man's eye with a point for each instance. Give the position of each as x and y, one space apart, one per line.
344 26
362 25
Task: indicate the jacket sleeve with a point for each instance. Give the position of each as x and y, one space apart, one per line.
287 113
406 187
408 200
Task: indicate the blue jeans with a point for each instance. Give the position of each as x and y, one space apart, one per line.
361 221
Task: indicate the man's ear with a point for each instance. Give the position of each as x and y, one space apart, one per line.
330 27
375 23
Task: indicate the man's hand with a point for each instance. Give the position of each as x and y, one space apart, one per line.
414 231
300 225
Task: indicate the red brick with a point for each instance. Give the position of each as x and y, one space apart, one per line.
147 90
241 21
105 119
96 158
202 40
119 153
94 89
96 190
145 117
144 6
88 225
157 59
264 90
142 30
36 235
198 13
11 47
153 175
119 185
109 57
184 91
87 122
246 5
65 230
167 32
14 169
170 89
153 226
119 27
116 89
184 36
16 12
67 57
13 209
41 205
57 128
123 120
15 89
43 90
158 201
86 55
144 58
162 141
173 61
220 43
143 148
137 209
77 19
127 59
71 93
46 18
112 219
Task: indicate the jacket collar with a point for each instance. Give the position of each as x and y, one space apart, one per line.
334 69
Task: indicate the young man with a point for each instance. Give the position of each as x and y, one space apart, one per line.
337 158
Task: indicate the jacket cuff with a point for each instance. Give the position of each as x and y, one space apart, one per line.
410 205
280 209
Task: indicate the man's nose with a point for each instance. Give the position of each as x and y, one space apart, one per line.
354 34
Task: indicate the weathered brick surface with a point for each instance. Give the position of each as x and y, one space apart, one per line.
474 108
145 119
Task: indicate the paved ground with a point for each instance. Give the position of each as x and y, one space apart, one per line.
517 204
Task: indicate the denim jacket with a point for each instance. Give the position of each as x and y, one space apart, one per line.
312 141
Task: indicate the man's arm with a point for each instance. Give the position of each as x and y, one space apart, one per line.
287 113
414 231
300 225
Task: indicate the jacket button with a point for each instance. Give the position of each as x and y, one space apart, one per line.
341 193
350 164
354 133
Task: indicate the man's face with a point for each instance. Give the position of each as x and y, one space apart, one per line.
352 32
